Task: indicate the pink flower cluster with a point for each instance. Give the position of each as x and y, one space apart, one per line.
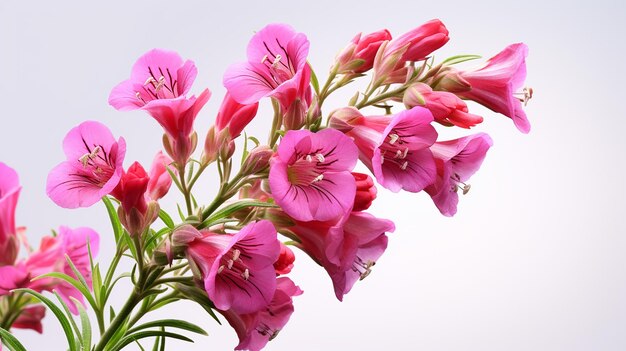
301 184
52 255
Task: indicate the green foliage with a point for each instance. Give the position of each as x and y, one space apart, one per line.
10 341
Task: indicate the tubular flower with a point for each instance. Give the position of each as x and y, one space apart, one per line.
457 160
393 147
158 74
256 329
234 116
9 193
276 58
347 249
496 84
358 56
365 191
421 41
160 180
30 318
137 210
310 175
93 167
447 108
237 269
284 263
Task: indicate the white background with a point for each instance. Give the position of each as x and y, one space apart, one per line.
534 260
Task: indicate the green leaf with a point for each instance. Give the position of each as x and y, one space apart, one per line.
73 282
458 59
79 338
173 323
199 296
65 324
166 219
314 81
174 178
147 334
115 221
85 326
232 208
152 240
11 341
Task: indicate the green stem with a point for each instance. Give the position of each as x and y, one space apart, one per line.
120 318
185 190
366 102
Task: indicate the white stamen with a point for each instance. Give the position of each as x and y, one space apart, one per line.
230 264
160 84
403 167
394 137
246 274
382 159
264 59
406 151
137 95
466 188
219 270
150 80
320 157
365 274
276 60
398 154
309 158
236 254
318 178
84 159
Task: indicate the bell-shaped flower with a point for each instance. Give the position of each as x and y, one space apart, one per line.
256 329
177 117
447 108
137 210
457 160
237 269
365 191
347 249
157 74
358 56
51 257
277 55
160 179
496 84
234 116
93 167
294 98
9 193
30 318
310 175
394 147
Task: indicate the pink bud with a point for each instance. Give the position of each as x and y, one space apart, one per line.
421 41
358 56
447 108
284 264
257 160
365 191
342 118
234 115
160 180
135 213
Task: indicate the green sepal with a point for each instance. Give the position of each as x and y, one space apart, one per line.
459 59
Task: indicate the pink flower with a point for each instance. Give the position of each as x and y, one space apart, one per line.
276 57
358 56
238 269
137 210
93 167
157 74
496 84
457 160
284 263
9 193
30 318
310 174
365 191
294 98
421 41
160 180
394 147
177 117
447 108
256 329
13 277
234 116
51 258
347 249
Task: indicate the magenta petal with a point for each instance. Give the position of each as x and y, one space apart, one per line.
123 97
340 152
272 40
71 191
85 137
419 172
247 82
186 76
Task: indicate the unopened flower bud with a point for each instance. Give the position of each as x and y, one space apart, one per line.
358 56
365 191
257 160
450 80
285 261
342 118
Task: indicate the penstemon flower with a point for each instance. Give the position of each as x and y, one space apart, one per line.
232 254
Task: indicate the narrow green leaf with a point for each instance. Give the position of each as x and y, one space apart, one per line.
174 178
147 334
115 221
140 347
314 81
173 323
75 283
78 274
10 341
158 235
232 208
79 339
166 219
111 314
65 324
157 343
458 59
85 326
